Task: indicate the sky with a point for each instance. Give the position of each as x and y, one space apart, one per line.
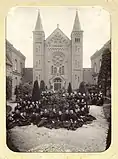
95 23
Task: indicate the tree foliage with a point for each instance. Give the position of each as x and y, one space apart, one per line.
36 91
104 77
42 86
8 87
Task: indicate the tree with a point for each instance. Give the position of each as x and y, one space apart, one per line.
27 88
42 86
104 77
69 88
36 91
8 87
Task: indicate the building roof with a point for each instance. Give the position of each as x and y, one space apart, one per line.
39 26
57 30
27 75
8 59
76 26
12 48
99 52
8 62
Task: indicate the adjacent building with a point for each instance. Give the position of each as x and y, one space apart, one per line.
87 75
58 59
28 75
96 60
15 63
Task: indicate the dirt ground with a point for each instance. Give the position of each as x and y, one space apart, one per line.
88 138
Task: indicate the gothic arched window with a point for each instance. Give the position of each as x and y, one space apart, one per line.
36 63
52 70
78 63
62 70
77 40
75 76
16 81
100 62
95 67
55 70
16 65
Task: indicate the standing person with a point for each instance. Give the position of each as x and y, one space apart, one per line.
83 90
66 119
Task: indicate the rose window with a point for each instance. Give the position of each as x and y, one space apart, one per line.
58 59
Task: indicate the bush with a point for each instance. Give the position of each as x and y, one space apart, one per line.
22 90
69 88
42 86
8 87
27 89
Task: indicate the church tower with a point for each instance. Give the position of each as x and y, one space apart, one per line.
38 51
77 53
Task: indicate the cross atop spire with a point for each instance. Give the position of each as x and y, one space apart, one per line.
76 26
39 26
57 25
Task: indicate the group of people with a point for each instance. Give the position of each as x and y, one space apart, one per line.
96 99
53 110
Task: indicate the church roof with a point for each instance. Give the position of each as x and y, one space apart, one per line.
76 26
57 30
39 26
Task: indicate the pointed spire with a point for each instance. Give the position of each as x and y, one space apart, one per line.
76 26
39 26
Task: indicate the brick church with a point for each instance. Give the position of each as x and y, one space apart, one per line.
58 59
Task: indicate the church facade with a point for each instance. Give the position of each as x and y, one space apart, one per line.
58 59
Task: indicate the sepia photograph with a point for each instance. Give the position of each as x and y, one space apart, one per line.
58 79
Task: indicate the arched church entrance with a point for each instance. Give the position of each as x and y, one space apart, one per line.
57 84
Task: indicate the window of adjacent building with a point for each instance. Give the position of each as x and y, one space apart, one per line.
78 50
15 65
95 67
78 79
78 63
39 77
21 66
39 62
100 62
36 77
62 70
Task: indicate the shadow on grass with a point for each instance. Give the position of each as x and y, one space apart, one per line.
9 142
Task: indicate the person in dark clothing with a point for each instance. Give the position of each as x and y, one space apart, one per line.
73 119
66 119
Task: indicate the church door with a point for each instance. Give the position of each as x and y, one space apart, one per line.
57 84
